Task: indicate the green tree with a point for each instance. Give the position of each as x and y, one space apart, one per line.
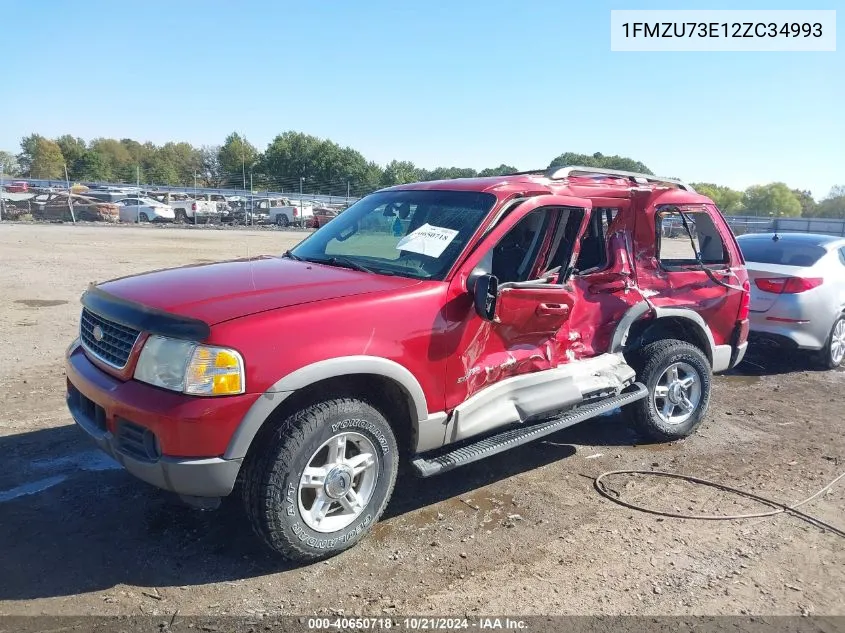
445 173
808 203
73 149
236 157
834 205
774 199
8 164
115 158
91 166
399 172
600 160
46 160
501 170
211 173
728 200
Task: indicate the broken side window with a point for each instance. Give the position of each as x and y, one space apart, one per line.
593 255
674 246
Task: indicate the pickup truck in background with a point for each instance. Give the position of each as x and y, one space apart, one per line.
283 211
186 208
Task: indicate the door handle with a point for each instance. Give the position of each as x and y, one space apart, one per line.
553 309
610 286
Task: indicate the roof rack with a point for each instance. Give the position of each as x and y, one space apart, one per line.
559 173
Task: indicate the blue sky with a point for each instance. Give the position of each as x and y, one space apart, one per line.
469 83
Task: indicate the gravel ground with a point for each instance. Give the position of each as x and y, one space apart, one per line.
522 533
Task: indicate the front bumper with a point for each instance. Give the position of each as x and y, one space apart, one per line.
143 428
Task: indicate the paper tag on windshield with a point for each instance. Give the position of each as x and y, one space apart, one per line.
427 240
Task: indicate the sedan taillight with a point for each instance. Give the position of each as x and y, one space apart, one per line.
194 206
788 285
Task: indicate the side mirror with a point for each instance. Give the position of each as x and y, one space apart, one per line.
485 290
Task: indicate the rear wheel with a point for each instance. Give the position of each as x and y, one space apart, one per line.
678 378
832 354
142 217
181 216
321 478
282 220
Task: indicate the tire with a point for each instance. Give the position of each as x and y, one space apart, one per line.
279 500
181 217
832 355
142 217
664 418
282 220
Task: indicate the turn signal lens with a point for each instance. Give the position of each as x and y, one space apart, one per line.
214 371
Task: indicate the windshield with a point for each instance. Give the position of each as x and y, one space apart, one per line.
413 233
781 252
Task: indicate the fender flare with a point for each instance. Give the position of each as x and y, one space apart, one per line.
635 312
262 408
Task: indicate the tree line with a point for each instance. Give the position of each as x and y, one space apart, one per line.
294 161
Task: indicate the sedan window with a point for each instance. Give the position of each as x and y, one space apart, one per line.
781 252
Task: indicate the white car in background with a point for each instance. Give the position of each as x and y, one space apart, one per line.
145 210
798 292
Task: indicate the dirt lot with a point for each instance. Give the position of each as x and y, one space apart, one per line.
522 533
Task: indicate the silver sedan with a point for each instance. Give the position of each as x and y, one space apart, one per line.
798 292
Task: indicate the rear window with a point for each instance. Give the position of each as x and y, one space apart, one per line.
781 252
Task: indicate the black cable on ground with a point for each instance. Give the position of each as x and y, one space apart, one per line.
780 508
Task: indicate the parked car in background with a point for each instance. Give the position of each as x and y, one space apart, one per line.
106 195
186 208
145 210
18 186
57 207
798 292
323 216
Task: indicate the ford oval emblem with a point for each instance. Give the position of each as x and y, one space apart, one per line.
97 332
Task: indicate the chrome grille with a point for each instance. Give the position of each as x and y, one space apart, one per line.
115 344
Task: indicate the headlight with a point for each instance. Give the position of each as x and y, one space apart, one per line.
192 368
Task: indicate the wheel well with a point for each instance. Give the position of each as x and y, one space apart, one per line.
383 393
644 332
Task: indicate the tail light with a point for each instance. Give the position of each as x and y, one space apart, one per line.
788 285
194 206
295 212
745 303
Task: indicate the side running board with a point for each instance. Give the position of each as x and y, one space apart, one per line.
494 444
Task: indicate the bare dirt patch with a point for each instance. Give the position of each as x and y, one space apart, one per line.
522 533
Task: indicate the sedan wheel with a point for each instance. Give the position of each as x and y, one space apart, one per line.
833 354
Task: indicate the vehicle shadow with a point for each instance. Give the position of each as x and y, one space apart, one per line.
71 521
766 360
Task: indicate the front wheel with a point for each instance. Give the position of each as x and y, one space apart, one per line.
678 378
142 217
321 479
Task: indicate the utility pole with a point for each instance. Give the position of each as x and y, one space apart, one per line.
69 197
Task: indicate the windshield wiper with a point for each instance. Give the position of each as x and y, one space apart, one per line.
348 263
290 255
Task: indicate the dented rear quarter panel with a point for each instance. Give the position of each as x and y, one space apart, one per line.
691 288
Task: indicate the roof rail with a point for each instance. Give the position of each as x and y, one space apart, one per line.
559 173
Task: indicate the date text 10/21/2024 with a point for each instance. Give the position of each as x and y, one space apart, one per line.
417 623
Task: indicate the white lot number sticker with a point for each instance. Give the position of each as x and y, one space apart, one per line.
427 240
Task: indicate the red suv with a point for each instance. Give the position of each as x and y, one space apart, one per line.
435 323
